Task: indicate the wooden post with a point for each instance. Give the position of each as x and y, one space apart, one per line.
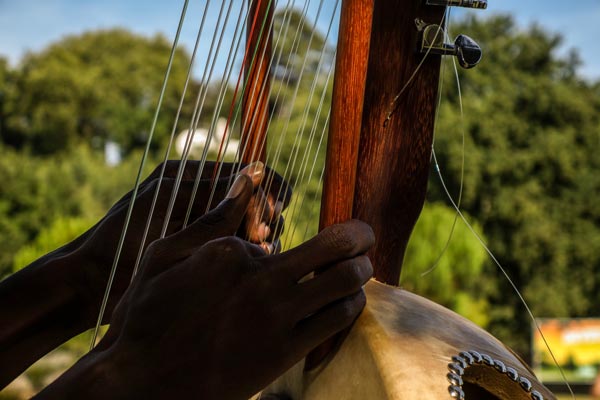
344 126
395 155
255 111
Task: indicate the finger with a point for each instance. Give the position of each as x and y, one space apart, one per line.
335 283
314 330
333 244
258 218
224 220
255 171
199 192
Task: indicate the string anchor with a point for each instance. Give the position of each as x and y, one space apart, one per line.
465 49
476 4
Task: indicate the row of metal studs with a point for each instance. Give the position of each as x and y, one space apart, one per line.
466 358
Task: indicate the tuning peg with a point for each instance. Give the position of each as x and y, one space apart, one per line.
478 4
466 50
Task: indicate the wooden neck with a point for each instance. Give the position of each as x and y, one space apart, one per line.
395 149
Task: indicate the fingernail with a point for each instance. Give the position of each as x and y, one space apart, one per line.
254 170
236 189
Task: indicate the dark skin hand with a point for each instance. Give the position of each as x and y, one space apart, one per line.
59 295
100 242
211 316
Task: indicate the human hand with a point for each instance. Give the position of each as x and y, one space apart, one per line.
214 317
95 250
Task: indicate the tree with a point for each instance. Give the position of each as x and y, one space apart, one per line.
38 191
99 86
532 176
455 276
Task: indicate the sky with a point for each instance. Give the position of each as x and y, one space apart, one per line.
33 24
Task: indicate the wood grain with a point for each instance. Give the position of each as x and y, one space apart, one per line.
394 160
255 99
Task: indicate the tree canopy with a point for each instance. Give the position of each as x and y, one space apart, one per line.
532 130
101 85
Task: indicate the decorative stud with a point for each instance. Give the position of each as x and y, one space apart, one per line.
476 355
454 379
500 367
535 395
487 360
512 373
456 392
467 356
457 369
525 384
461 361
465 359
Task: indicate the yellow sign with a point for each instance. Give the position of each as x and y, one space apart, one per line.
575 344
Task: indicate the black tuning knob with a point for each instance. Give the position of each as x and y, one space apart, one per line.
468 51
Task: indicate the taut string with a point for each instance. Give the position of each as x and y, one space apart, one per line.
113 269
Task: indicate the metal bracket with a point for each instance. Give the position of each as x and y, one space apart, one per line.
477 4
466 50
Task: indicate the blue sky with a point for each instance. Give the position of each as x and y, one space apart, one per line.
32 24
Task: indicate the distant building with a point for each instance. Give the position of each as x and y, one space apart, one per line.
200 137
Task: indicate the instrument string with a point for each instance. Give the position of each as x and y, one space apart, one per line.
313 130
275 53
170 144
503 271
462 134
136 186
394 103
252 96
302 195
288 171
199 105
459 213
295 44
279 56
235 109
253 120
317 194
218 107
229 65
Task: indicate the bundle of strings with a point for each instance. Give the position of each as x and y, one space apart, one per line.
296 118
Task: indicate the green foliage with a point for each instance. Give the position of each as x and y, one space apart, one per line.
38 191
60 232
532 171
99 86
452 276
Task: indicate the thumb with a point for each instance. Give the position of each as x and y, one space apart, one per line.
223 220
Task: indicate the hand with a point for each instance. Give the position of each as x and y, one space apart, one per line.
95 250
215 317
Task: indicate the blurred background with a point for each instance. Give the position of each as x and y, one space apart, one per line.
79 82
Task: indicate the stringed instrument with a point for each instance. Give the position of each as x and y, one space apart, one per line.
378 159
